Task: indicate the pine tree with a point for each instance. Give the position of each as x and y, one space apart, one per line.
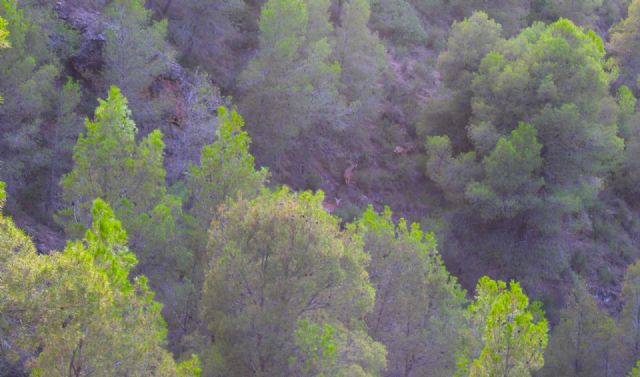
419 309
512 179
28 74
109 164
630 318
135 54
362 58
4 42
226 169
280 258
584 344
77 312
513 331
4 34
469 41
292 83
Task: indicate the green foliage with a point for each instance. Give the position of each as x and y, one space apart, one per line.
624 44
630 318
582 12
513 331
627 178
327 351
76 312
227 169
4 42
613 11
452 174
65 133
397 21
109 164
627 110
585 341
554 78
511 14
135 54
130 176
280 258
4 34
362 58
318 349
635 372
469 41
419 308
28 74
512 180
205 32
292 83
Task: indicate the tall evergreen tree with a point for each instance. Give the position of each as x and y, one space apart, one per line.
513 331
226 169
274 261
76 312
292 83
135 54
362 58
419 309
584 344
624 47
512 178
28 74
109 164
469 41
630 318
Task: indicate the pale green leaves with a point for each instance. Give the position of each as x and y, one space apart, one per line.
513 332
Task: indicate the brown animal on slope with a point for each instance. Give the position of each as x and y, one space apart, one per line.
404 149
331 205
348 173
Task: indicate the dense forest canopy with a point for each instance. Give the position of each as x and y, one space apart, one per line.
320 188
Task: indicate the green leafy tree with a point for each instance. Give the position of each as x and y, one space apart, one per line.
28 74
362 58
207 33
469 41
450 173
316 348
512 179
292 83
513 331
65 133
556 79
4 42
627 175
109 164
630 318
279 259
324 351
584 343
135 54
511 14
130 176
582 12
624 46
419 308
635 372
398 21
226 169
76 312
4 34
